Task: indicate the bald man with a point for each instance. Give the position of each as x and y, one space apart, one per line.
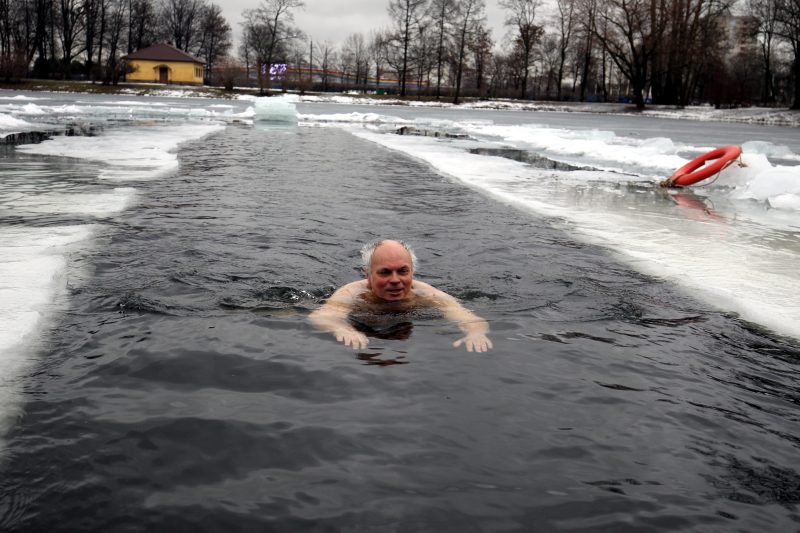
389 285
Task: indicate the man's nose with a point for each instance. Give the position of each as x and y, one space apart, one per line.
394 278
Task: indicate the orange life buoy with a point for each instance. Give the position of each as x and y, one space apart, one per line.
697 170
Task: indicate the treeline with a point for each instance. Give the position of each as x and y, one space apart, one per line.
85 39
673 52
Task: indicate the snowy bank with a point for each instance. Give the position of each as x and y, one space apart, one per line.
750 115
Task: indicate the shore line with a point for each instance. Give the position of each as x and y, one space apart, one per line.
750 115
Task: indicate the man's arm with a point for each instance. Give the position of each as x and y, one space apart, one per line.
474 327
332 316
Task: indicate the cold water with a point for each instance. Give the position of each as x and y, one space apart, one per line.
158 371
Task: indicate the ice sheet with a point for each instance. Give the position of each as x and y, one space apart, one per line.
96 205
128 153
33 265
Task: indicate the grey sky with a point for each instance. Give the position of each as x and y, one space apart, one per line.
334 20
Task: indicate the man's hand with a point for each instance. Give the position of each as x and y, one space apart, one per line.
351 337
474 342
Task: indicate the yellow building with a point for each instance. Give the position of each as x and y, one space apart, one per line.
163 63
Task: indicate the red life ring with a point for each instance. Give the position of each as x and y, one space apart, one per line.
697 170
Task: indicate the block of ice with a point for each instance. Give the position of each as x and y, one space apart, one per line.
773 183
768 149
738 175
277 109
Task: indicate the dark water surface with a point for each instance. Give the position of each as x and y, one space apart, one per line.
185 391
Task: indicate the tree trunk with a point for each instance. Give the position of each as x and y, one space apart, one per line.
406 38
524 88
439 60
561 60
587 60
796 104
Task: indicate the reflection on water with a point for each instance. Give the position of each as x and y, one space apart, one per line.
388 330
377 358
695 207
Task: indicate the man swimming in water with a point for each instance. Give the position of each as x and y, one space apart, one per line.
389 287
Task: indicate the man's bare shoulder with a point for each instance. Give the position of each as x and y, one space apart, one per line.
423 289
351 290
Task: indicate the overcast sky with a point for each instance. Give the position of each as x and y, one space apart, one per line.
334 20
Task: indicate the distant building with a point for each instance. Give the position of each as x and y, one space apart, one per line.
741 34
163 63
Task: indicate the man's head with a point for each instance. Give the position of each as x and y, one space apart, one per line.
389 267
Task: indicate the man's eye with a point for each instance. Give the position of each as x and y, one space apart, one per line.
403 271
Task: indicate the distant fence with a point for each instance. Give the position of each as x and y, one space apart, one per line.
285 75
335 77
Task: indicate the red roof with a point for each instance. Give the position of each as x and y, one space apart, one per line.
163 52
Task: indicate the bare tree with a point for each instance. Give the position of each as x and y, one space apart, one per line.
764 12
588 10
788 17
548 52
5 38
421 49
43 46
18 20
468 18
245 53
215 37
181 20
481 48
70 30
522 18
441 14
327 54
354 58
566 25
694 40
267 31
635 32
141 24
377 52
117 11
90 10
406 15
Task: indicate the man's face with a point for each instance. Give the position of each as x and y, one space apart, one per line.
390 274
